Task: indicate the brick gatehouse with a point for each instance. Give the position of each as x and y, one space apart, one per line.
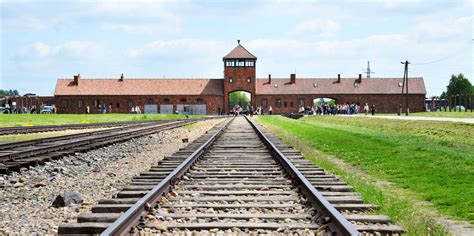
211 95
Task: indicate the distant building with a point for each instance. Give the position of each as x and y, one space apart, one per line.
211 95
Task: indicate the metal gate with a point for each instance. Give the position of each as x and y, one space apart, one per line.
199 109
184 109
151 109
166 109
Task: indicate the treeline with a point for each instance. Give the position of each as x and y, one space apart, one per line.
10 92
458 86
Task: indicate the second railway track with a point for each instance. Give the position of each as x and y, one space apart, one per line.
234 180
15 155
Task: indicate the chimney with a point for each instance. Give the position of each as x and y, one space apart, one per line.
360 78
269 78
339 78
121 78
292 78
76 79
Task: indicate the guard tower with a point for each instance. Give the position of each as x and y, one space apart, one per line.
239 74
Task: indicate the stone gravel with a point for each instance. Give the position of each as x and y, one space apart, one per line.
26 196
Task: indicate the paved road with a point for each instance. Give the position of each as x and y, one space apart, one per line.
464 120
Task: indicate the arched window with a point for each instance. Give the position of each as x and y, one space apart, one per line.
231 80
249 79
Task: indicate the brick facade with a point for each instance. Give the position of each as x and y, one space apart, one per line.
120 104
384 103
285 95
239 76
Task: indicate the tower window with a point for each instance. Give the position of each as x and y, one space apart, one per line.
231 80
249 79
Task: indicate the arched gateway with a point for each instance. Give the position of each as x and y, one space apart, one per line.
239 74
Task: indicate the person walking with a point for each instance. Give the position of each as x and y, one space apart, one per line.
88 110
270 110
366 108
373 109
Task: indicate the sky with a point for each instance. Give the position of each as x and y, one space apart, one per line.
42 41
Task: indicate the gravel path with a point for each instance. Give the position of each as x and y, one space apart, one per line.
26 197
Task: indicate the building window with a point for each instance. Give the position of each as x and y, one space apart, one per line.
80 103
231 80
285 104
63 103
230 63
166 100
118 104
186 108
301 104
182 100
291 104
264 102
249 79
199 100
278 102
130 103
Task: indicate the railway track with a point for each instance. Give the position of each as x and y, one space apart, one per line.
15 155
236 179
51 128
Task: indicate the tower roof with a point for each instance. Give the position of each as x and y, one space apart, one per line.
239 52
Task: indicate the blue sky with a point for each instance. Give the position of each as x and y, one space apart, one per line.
45 40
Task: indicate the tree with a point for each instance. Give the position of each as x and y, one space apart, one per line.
239 98
9 92
458 85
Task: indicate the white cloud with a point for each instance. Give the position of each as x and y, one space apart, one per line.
436 26
320 27
142 28
178 47
71 48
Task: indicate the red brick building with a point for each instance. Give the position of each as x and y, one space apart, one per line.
211 95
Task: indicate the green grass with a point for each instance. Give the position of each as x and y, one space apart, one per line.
451 114
7 120
432 160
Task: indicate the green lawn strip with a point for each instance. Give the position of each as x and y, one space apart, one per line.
410 162
452 114
15 120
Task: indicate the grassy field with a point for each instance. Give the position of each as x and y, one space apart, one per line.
429 161
7 120
451 114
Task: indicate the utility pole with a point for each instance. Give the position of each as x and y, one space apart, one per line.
405 85
368 71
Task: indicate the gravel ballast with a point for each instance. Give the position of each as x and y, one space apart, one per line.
26 197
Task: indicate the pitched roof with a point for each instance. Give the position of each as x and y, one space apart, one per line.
346 86
140 87
239 52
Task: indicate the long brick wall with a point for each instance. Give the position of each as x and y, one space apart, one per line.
120 104
384 103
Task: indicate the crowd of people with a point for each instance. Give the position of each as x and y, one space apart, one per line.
321 109
337 109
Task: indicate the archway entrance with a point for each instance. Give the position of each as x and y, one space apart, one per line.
240 99
325 106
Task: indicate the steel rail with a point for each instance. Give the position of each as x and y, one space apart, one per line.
131 217
341 226
4 146
129 132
